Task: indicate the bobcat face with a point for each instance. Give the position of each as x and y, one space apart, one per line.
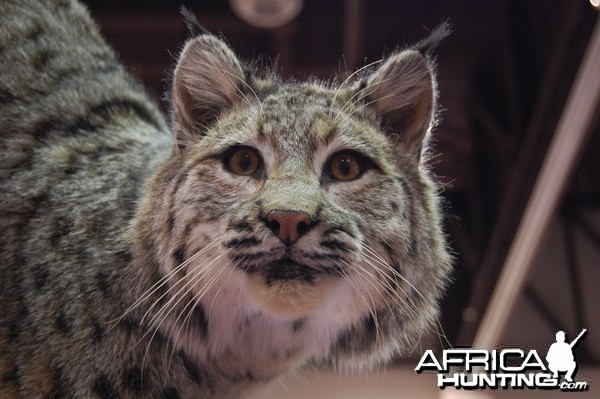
307 198
298 216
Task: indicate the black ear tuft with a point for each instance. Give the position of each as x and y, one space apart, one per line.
427 45
192 24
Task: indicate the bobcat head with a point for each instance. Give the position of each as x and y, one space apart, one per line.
294 220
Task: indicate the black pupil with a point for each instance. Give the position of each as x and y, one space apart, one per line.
344 166
245 161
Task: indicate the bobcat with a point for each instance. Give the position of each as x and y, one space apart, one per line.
274 225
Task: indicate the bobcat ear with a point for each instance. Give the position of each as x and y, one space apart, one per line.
193 26
402 94
207 81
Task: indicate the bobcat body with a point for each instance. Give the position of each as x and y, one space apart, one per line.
274 224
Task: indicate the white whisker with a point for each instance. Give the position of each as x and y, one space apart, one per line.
364 106
238 89
195 300
371 254
381 261
358 96
353 74
169 275
167 308
370 306
156 286
177 297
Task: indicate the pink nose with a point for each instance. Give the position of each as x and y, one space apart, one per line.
289 225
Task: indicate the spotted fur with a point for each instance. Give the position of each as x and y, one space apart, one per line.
135 264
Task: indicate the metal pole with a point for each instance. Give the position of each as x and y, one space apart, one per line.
549 187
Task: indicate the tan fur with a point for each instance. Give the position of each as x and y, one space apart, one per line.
290 299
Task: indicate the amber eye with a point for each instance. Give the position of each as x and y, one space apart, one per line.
242 161
345 166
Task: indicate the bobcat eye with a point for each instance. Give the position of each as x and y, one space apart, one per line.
345 166
243 161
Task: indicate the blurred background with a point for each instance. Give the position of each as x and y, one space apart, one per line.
518 151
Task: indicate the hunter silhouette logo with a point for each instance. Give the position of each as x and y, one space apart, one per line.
560 356
509 368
